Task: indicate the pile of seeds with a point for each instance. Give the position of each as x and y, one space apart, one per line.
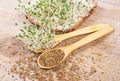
80 67
51 58
85 65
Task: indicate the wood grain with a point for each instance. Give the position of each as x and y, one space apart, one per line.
108 12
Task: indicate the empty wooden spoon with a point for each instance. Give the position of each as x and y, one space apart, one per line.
54 57
89 29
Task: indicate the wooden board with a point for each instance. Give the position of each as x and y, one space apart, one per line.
102 54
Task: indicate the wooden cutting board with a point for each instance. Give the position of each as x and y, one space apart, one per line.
101 57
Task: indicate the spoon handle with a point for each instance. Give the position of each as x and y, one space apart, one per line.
82 31
103 31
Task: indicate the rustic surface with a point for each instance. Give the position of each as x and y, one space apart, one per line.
101 58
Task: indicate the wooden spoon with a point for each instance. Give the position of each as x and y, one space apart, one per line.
70 48
60 38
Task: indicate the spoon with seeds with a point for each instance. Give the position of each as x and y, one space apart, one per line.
62 37
54 57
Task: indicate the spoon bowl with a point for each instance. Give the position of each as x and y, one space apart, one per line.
48 61
54 57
